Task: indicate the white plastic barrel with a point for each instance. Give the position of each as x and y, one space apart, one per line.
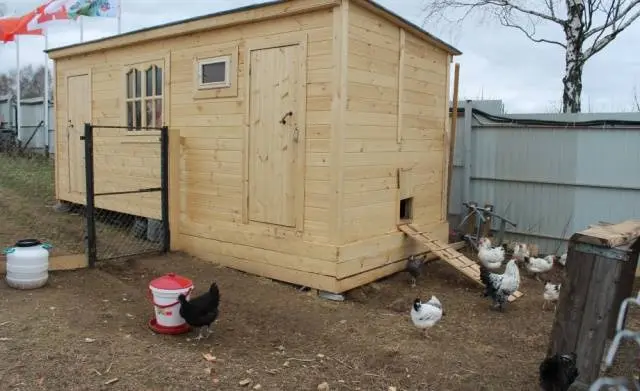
164 294
27 264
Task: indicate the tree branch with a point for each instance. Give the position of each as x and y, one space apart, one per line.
505 22
508 4
551 7
438 6
613 18
601 43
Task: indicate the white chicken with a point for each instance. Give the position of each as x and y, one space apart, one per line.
426 315
551 294
539 265
563 259
500 286
490 257
520 250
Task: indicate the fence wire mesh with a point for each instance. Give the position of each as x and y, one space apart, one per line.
127 187
28 200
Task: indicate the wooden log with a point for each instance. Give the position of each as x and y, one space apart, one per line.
600 272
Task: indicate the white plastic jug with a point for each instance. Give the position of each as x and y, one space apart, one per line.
27 264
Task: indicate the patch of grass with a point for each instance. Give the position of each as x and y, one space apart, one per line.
27 194
31 176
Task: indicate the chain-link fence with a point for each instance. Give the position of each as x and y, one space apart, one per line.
28 200
126 174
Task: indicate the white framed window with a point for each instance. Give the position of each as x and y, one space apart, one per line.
214 72
144 96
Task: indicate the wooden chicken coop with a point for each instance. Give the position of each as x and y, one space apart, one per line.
301 133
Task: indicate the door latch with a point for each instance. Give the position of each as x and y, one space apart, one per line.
296 133
284 117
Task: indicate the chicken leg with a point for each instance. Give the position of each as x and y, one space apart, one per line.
200 336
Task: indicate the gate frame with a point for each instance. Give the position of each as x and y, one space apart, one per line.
92 251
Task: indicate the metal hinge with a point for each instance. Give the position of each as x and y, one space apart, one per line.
397 178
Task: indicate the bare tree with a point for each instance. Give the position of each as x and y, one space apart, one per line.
31 82
636 100
588 27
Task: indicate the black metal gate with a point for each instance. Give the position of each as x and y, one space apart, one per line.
113 231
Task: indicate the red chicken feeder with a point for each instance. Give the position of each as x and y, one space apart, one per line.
163 293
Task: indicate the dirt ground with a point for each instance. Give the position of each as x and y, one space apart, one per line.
90 326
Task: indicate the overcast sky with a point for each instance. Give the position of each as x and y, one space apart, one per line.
497 63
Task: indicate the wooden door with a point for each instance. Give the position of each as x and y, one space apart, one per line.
78 112
275 142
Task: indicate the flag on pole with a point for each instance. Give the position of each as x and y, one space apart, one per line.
94 8
90 8
23 26
49 12
7 25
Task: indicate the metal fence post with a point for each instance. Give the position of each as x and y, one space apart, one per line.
164 184
90 208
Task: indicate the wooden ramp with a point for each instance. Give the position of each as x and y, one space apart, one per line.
466 266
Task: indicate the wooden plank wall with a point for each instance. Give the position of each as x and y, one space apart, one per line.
372 153
213 133
211 129
122 161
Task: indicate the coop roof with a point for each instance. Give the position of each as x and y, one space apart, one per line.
252 13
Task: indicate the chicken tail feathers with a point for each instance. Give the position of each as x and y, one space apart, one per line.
484 275
215 293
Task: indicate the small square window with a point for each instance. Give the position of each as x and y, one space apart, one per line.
214 72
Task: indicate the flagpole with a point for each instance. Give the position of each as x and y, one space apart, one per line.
120 18
18 108
46 92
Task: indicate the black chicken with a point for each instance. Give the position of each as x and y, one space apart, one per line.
201 311
558 372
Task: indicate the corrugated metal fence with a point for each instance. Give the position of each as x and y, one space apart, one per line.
552 174
32 114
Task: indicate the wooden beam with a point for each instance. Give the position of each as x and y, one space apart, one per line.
401 55
56 263
452 132
175 153
338 115
205 23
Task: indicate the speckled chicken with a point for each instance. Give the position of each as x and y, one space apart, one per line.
414 267
563 259
539 265
550 294
520 251
500 286
491 258
426 315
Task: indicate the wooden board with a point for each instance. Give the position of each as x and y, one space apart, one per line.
448 254
610 235
274 134
56 263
